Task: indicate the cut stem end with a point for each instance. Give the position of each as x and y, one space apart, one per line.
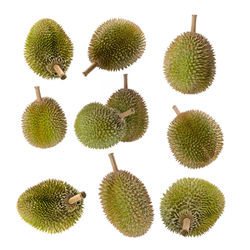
76 198
113 162
176 110
59 71
90 68
127 113
38 94
185 226
193 26
125 77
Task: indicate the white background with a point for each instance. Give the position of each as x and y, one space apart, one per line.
224 23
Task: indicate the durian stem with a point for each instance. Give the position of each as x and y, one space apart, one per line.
59 71
185 226
113 162
193 27
90 68
38 94
127 113
125 76
176 110
76 198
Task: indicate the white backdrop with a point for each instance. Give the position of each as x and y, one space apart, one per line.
224 23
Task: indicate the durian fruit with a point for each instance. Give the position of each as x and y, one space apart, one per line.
51 206
43 122
136 124
189 63
48 50
126 202
194 138
98 126
115 45
191 206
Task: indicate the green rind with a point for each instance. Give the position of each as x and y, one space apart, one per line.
98 126
45 206
195 139
116 44
44 123
137 123
189 63
196 199
126 203
46 45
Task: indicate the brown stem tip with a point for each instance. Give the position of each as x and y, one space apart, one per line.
176 110
38 94
185 226
76 198
125 77
113 162
90 68
127 113
193 26
59 71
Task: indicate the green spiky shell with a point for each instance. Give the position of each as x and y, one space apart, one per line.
45 206
44 123
189 63
126 203
137 123
116 44
98 126
196 199
195 139
46 45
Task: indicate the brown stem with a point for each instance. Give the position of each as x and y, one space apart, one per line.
38 94
125 77
193 27
59 71
90 68
127 113
113 162
185 226
176 110
76 198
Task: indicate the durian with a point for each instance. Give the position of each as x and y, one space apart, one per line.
126 202
48 50
43 122
98 126
115 45
194 138
191 206
189 63
136 124
51 206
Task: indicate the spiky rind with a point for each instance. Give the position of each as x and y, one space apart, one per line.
116 44
196 199
46 45
195 139
189 63
44 123
126 203
98 126
136 124
45 206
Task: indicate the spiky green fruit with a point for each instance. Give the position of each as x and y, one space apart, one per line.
115 45
136 124
126 202
48 206
189 63
43 122
98 126
196 201
195 139
48 47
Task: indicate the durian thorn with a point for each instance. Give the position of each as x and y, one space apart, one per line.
113 162
125 77
59 71
90 68
193 26
185 226
76 198
176 110
127 113
38 94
